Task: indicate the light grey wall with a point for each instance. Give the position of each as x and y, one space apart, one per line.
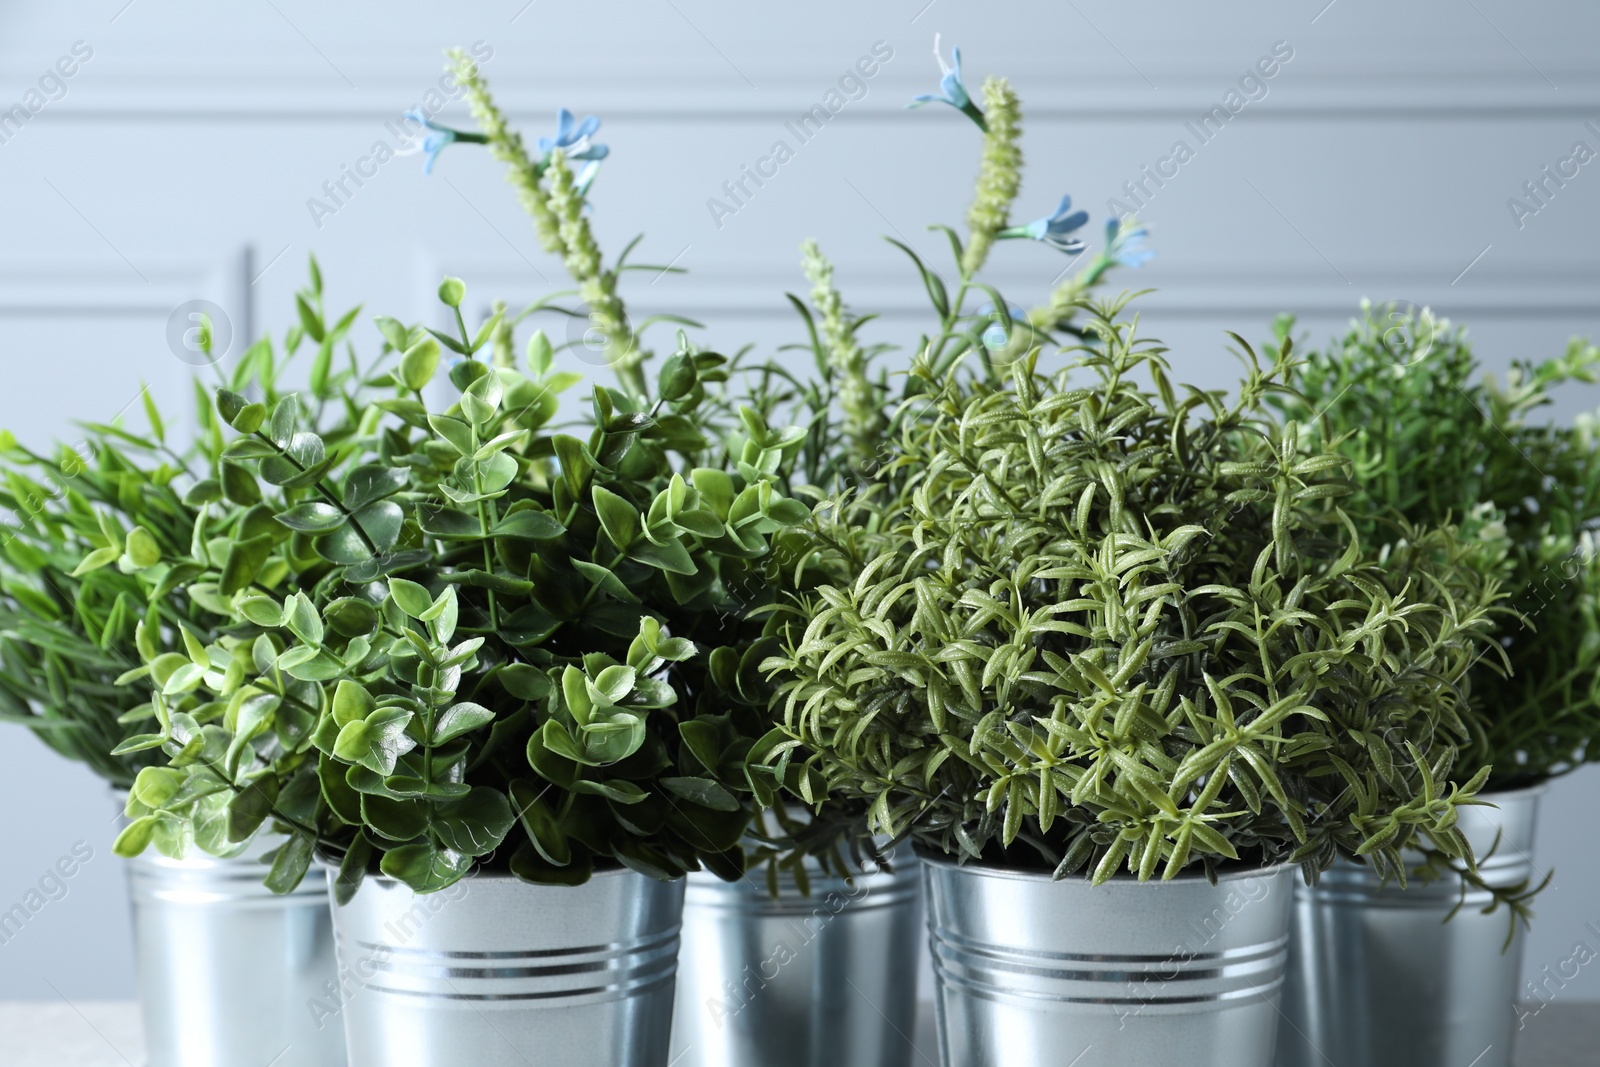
180 160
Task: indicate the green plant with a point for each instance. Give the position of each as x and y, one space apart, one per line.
522 647
519 644
104 542
1102 625
854 413
1434 439
67 633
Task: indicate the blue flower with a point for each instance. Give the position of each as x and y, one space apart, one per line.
1055 229
573 139
434 143
952 90
1125 243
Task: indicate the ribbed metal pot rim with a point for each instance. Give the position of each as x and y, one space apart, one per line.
1120 879
482 874
870 890
615 969
201 878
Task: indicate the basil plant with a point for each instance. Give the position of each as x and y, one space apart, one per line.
520 652
1433 438
1102 626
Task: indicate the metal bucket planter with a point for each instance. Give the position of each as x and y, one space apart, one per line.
1377 977
231 974
825 980
1030 972
495 972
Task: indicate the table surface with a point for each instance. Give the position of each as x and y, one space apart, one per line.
105 1033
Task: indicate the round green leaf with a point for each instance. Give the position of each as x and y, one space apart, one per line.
312 517
419 363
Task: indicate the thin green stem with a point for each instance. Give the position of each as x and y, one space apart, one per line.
327 492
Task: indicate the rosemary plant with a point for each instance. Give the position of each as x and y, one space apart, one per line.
1102 627
1433 439
855 414
104 543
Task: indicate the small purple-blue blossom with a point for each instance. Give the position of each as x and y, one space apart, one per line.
574 138
952 90
1125 244
1055 229
437 139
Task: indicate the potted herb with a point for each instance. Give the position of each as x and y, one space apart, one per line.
842 995
1117 661
809 963
106 559
1432 439
518 673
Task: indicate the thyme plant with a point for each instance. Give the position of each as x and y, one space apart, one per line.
1434 439
1104 626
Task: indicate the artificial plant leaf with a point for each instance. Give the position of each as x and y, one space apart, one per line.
290 862
312 517
352 869
475 824
394 820
459 719
529 524
376 741
425 867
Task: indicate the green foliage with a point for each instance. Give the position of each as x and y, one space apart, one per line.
520 648
1099 626
75 590
1433 439
122 545
855 416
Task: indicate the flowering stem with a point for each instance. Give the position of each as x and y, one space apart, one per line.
847 364
596 285
999 172
558 218
947 330
505 144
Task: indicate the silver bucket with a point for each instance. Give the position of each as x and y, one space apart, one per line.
825 980
1377 977
231 974
1031 972
495 972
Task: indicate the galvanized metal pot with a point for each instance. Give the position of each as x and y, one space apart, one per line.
231 974
825 980
1377 978
495 972
1030 972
